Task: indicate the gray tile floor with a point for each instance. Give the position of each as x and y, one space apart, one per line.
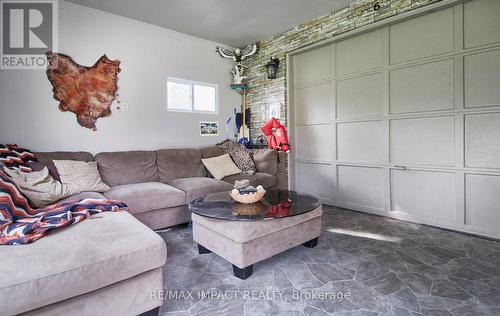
363 265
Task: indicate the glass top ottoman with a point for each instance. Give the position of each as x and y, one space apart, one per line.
244 234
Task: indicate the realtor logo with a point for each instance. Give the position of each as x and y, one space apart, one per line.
29 30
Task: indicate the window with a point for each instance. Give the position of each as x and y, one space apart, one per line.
191 96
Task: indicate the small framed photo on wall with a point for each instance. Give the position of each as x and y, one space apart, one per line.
209 128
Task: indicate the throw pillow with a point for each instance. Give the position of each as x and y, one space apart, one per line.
221 166
240 155
84 175
39 165
40 187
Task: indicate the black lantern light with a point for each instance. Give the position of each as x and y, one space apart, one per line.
272 68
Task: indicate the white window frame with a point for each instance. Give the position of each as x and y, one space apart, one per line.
192 83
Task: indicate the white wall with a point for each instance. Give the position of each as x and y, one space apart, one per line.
29 115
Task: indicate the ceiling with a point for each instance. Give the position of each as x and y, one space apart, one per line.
234 23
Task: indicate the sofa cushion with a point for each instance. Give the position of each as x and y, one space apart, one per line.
179 163
199 186
258 178
266 160
147 196
127 167
165 217
128 297
91 255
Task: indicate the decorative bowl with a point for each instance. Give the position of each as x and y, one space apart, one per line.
248 198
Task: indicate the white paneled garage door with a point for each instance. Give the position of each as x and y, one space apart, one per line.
404 120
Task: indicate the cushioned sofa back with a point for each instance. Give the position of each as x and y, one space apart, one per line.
126 167
179 163
266 160
210 152
46 159
64 155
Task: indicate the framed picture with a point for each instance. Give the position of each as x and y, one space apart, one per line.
209 128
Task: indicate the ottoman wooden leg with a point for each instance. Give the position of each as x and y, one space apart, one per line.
242 273
311 243
202 250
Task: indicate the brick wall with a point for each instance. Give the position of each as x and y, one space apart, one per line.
267 92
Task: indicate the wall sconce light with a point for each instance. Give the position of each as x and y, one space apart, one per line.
272 68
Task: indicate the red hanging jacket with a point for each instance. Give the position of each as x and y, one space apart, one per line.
276 135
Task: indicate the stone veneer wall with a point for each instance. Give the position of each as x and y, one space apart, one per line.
266 92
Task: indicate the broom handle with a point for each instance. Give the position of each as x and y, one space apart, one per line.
244 111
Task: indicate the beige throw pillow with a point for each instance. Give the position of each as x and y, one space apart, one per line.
221 166
40 187
84 175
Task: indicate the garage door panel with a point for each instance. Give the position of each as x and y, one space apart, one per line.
315 142
313 66
361 142
361 186
427 87
314 104
482 207
361 96
315 179
424 194
360 53
405 117
428 141
425 36
482 140
481 22
482 79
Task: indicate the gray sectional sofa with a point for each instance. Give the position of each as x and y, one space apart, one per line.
112 264
158 185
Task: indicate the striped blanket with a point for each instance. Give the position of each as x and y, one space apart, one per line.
21 224
15 157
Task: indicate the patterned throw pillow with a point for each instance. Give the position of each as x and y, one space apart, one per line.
240 155
40 187
84 175
15 157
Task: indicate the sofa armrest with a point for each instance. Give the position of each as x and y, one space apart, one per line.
266 160
282 171
274 163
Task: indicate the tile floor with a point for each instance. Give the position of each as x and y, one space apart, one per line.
363 265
